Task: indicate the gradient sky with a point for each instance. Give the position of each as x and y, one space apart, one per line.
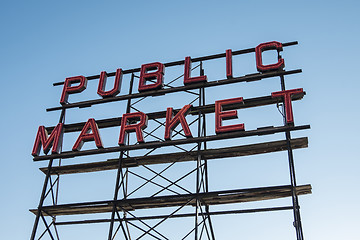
44 42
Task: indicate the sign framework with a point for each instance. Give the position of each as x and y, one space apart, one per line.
151 83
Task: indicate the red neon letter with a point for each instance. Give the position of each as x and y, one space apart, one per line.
173 121
229 71
138 127
287 101
187 74
117 84
86 135
268 46
145 76
68 89
220 115
43 140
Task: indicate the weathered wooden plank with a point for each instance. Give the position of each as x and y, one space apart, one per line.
228 152
210 108
210 198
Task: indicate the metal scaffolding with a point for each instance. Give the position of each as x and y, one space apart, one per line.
180 200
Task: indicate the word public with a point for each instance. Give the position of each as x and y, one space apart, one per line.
137 121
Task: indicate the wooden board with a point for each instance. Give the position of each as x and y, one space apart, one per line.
195 110
219 153
210 198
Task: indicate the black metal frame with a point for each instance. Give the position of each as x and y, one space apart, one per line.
120 222
201 183
45 193
294 197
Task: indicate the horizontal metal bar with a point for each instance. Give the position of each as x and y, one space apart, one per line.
246 78
180 62
254 210
247 103
219 153
208 198
159 144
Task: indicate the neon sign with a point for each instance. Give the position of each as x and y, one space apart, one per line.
155 72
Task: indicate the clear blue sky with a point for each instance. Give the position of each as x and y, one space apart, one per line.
44 42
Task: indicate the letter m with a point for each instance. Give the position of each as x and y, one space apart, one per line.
42 139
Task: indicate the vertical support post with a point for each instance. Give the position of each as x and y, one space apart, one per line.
120 175
205 162
201 170
295 200
47 178
198 164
